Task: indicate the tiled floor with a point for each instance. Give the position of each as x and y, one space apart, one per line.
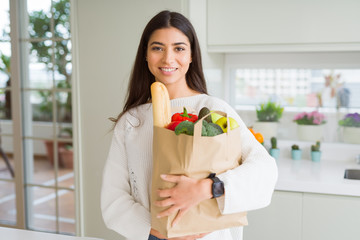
42 211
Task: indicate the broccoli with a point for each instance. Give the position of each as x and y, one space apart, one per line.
211 129
208 129
185 127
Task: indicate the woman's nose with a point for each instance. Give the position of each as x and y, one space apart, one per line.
168 57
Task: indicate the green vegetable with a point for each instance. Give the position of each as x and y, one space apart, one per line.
208 129
185 127
203 112
273 141
211 129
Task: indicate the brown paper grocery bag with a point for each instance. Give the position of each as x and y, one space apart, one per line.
196 157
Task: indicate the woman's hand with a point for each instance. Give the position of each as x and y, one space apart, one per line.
190 237
187 193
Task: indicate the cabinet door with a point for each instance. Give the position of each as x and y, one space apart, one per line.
280 220
331 217
262 25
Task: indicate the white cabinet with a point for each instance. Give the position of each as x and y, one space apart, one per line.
331 217
306 216
282 25
281 220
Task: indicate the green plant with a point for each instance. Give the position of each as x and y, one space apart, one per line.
295 147
350 120
312 118
316 147
273 141
269 112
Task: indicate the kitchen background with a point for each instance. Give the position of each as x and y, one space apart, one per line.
252 51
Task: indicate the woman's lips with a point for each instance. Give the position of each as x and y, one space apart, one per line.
168 70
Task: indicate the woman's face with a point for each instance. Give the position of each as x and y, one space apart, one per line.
169 56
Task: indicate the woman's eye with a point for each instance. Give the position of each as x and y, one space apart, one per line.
156 48
179 49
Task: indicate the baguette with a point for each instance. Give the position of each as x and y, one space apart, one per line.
161 104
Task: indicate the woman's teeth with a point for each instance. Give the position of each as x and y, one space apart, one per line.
168 69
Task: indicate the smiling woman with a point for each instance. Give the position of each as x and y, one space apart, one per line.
169 53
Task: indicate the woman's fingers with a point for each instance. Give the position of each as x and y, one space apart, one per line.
167 212
164 203
170 178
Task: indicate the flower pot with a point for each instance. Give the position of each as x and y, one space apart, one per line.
351 135
267 129
275 153
296 154
315 156
67 157
49 145
311 133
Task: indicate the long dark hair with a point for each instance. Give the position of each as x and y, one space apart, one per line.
141 78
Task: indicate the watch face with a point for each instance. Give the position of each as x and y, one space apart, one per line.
218 189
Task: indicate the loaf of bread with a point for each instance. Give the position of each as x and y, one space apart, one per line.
161 104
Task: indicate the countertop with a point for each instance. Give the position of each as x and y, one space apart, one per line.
325 177
17 234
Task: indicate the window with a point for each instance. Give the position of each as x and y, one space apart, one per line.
296 80
337 88
44 199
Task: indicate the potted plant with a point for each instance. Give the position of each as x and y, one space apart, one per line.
274 150
295 152
310 125
67 155
268 115
351 128
315 152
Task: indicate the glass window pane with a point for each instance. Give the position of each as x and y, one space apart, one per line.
63 65
5 54
39 162
7 203
4 20
40 65
7 164
61 13
297 87
39 18
64 114
42 106
66 155
41 203
66 211
5 104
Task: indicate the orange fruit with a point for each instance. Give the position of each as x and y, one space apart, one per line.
259 137
252 130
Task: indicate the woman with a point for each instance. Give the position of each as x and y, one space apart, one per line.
169 52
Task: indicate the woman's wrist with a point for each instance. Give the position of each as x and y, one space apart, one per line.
205 188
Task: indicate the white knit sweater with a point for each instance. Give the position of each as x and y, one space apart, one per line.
125 196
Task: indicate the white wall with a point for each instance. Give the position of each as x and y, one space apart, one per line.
105 44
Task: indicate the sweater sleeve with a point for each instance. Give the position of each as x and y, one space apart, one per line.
249 186
120 211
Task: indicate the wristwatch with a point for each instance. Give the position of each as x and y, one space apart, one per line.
217 188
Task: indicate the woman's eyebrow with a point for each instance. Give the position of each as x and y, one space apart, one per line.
174 44
159 43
